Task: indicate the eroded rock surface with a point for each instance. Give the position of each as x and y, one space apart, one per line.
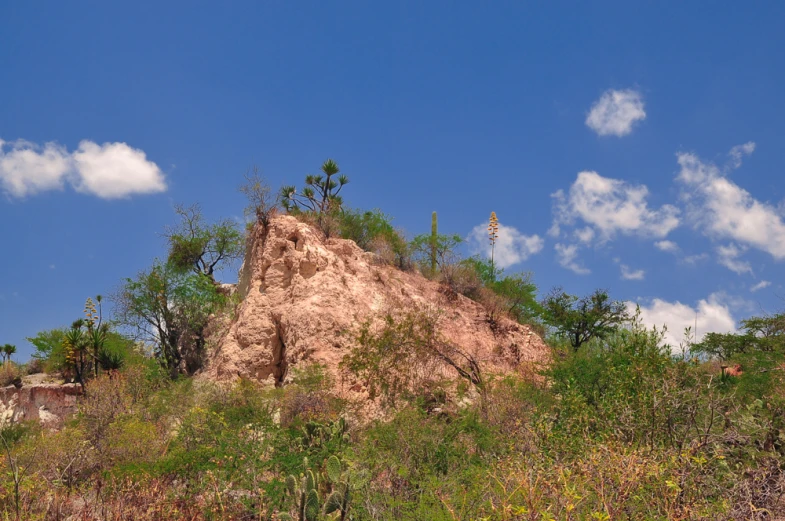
49 404
303 299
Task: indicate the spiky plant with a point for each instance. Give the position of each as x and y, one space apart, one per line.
305 491
75 344
339 498
8 350
320 194
96 330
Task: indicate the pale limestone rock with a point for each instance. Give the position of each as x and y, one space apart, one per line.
304 298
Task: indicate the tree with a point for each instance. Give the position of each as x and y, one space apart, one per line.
48 346
261 201
200 247
757 335
320 194
8 350
169 308
581 319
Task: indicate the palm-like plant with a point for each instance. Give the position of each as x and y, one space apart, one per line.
75 344
320 194
8 350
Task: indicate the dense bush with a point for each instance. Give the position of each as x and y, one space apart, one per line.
373 231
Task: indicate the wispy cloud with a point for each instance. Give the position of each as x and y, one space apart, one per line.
616 112
668 246
728 256
109 171
567 255
760 285
630 274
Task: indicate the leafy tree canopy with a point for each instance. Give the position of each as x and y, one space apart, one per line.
202 248
579 319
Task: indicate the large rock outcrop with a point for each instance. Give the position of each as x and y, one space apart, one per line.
303 299
49 404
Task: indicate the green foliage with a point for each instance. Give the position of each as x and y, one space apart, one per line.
581 319
517 292
305 493
202 248
758 334
49 348
169 308
373 231
397 355
320 194
7 351
441 247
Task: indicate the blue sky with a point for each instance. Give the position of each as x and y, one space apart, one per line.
650 136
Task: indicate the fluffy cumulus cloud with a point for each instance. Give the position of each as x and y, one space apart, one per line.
628 273
760 285
713 315
26 169
616 112
723 210
512 247
567 255
109 171
611 206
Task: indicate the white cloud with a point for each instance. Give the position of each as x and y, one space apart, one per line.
585 235
110 171
723 210
26 169
713 315
616 112
566 255
695 259
512 247
115 170
739 151
760 285
668 246
728 256
629 274
611 206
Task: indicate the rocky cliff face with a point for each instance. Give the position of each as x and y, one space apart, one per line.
48 404
303 299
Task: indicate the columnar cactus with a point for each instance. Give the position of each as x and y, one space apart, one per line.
434 240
